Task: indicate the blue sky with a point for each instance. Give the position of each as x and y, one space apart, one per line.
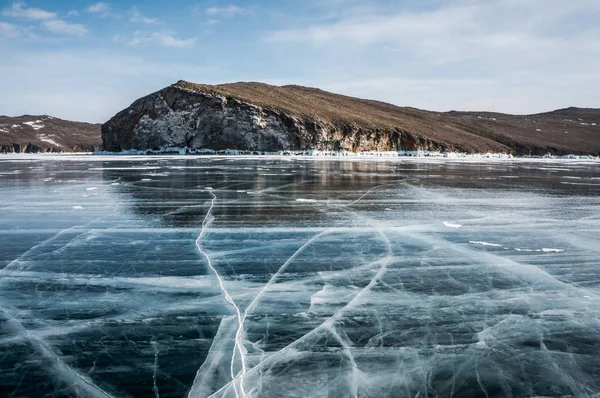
87 60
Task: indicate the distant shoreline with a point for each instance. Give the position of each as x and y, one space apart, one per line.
383 156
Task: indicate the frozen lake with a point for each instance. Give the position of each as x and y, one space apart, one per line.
287 277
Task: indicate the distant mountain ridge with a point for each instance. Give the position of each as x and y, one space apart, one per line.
33 134
259 117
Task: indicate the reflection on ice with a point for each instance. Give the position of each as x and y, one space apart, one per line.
279 277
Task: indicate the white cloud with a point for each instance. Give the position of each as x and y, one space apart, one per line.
100 8
505 55
162 38
61 27
461 30
229 10
8 30
48 21
136 16
212 22
19 10
73 13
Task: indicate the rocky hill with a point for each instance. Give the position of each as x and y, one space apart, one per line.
260 117
32 134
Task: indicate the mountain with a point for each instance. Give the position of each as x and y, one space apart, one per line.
33 134
261 117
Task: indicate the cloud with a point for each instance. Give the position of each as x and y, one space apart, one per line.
505 55
377 28
101 8
8 30
61 27
212 22
230 10
136 16
19 10
498 32
162 38
73 13
12 31
49 21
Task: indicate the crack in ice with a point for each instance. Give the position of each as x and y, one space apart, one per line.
329 323
250 307
80 384
208 219
51 239
239 336
155 369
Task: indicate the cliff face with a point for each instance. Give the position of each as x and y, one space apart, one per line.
259 117
33 134
175 117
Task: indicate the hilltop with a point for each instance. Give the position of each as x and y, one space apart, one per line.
260 117
32 134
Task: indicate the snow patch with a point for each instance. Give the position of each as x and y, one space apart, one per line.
543 250
45 138
451 225
309 152
484 243
36 125
552 250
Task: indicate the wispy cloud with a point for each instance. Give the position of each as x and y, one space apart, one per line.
462 31
61 27
506 55
47 20
9 30
101 8
19 10
161 38
136 16
229 10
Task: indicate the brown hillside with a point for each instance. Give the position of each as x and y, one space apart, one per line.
47 134
572 130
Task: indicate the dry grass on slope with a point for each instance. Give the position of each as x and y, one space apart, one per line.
340 110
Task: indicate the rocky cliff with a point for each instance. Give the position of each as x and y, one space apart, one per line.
33 134
260 117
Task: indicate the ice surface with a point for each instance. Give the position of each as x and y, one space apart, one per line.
298 277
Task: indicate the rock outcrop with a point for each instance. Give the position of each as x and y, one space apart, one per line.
260 117
34 134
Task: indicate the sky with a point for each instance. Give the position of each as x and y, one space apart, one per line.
86 61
